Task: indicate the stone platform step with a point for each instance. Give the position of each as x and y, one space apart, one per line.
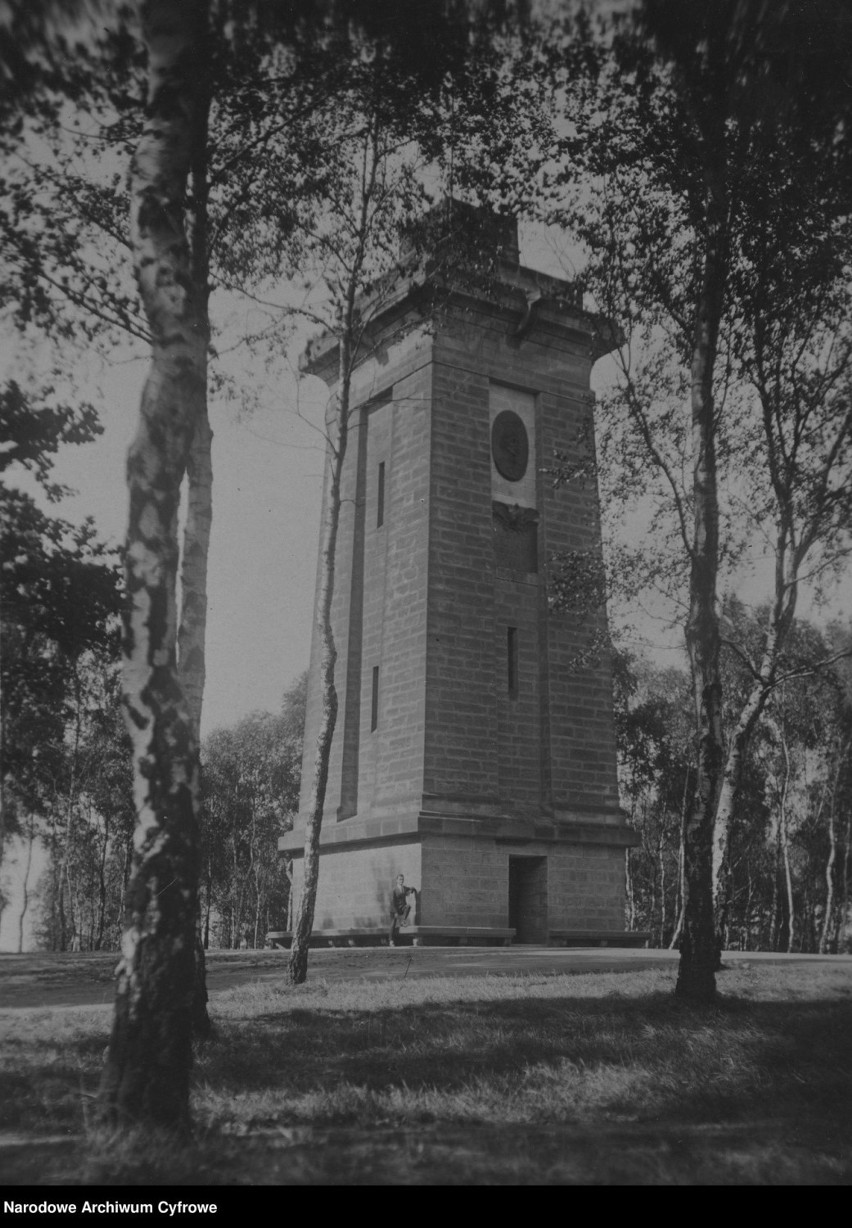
598 938
408 935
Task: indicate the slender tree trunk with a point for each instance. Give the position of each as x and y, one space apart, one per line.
3 900
233 920
652 886
125 878
207 912
696 980
304 914
64 877
102 889
728 796
774 926
146 1078
746 922
785 849
348 339
25 897
843 917
54 895
673 945
825 941
628 880
831 861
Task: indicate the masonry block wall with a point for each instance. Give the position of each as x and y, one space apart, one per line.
469 882
379 594
400 626
355 884
553 743
465 882
475 727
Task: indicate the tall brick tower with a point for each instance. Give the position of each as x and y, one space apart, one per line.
474 750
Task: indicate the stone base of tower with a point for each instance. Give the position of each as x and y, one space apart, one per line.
565 880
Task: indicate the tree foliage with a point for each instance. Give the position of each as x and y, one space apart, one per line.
250 798
59 606
789 872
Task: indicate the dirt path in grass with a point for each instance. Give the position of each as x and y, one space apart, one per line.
45 980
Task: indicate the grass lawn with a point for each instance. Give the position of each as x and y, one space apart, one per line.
601 1078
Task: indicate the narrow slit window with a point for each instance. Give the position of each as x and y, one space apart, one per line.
374 708
512 659
380 497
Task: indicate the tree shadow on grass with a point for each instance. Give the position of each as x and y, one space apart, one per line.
47 1084
647 1059
539 1088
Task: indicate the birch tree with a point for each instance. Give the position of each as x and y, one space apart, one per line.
796 354
146 1076
354 245
669 117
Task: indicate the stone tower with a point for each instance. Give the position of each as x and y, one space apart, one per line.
474 749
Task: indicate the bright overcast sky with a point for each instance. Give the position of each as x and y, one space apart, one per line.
267 481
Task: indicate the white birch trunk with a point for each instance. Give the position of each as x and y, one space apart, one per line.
25 896
825 941
304 913
146 1079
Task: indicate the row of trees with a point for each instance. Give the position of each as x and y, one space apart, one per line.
789 868
60 604
74 839
67 766
250 796
68 804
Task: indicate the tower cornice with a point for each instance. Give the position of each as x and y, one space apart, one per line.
529 305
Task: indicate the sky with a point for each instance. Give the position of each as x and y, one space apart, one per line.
267 470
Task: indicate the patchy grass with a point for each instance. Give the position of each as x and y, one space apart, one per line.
499 1080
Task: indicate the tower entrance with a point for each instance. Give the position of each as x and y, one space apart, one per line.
528 898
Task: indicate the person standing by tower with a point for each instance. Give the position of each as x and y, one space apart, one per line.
400 910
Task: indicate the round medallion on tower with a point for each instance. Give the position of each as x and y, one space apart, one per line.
510 445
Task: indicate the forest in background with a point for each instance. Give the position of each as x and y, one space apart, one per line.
791 861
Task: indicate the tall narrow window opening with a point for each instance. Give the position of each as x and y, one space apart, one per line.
374 709
380 500
512 659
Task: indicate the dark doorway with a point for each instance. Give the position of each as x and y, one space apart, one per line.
528 898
